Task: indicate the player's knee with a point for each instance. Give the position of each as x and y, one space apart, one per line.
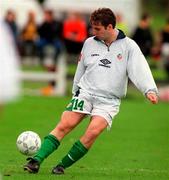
64 127
60 131
91 135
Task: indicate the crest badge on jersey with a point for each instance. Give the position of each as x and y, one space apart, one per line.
119 56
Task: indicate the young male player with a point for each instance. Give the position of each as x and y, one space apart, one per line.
107 60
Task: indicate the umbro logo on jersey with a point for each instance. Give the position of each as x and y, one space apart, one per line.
105 63
94 55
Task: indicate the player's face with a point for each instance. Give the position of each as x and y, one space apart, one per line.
100 31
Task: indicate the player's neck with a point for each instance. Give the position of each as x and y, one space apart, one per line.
112 37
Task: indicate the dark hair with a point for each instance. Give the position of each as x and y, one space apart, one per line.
105 16
49 12
145 16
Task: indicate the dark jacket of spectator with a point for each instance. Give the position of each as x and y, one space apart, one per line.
143 35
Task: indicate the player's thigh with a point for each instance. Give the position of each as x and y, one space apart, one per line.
71 119
97 125
94 129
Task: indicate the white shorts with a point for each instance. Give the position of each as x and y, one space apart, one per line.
93 105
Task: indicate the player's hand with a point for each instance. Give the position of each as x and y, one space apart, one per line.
152 97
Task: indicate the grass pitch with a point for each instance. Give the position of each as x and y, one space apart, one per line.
136 148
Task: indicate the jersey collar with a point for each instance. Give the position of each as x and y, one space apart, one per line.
120 35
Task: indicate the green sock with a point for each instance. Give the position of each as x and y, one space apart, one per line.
49 145
76 152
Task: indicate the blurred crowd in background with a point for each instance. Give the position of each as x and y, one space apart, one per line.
53 36
36 39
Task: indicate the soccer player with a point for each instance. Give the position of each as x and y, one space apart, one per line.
9 66
107 60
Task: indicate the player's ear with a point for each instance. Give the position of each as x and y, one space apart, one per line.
109 27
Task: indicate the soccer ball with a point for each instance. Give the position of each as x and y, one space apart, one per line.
28 143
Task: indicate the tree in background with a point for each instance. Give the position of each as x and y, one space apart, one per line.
164 4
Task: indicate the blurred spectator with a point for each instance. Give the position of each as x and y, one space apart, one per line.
156 49
165 46
121 24
29 36
74 32
9 67
10 19
143 35
164 93
49 45
50 32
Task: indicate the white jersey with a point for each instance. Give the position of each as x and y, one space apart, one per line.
104 71
9 67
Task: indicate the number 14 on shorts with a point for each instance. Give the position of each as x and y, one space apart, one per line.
75 104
